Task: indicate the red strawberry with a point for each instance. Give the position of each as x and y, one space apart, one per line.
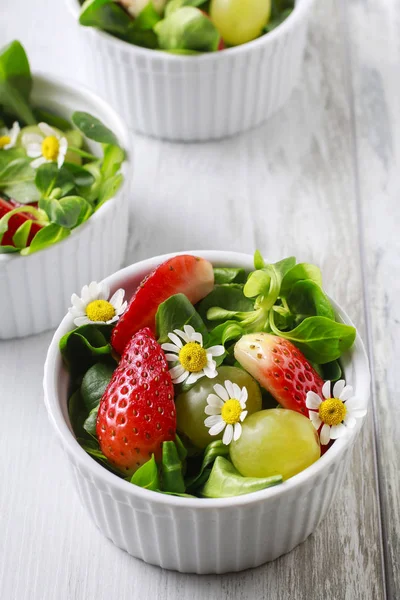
14 223
183 274
137 410
280 368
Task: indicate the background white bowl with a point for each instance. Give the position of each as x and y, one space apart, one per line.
202 97
36 289
202 535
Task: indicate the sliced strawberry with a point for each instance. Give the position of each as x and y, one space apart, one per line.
280 368
185 274
137 410
15 222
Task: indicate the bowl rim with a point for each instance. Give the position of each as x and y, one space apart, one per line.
70 86
290 22
81 458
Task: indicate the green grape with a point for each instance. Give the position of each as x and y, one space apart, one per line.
240 21
275 442
191 404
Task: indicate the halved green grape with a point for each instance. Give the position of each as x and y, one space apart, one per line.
275 442
191 404
240 21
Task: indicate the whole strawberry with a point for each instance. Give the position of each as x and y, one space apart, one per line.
280 368
137 410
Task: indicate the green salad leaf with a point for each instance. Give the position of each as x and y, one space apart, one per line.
90 422
174 313
16 82
213 450
94 383
187 28
225 481
229 275
93 129
81 348
147 475
171 469
229 296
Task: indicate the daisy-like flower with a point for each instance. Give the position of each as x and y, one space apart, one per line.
94 305
193 361
49 146
8 137
335 412
227 410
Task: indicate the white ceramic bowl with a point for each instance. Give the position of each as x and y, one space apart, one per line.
202 535
202 97
36 289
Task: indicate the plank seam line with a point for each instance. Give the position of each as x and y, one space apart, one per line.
348 71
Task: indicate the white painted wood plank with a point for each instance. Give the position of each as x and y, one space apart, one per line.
286 188
375 57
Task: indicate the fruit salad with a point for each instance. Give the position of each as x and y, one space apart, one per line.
186 26
209 382
50 182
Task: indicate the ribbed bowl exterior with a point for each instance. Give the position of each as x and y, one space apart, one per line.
215 540
198 98
36 289
203 535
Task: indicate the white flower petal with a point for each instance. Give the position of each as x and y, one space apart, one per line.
237 431
217 428
349 421
172 357
237 391
315 419
47 130
197 337
35 164
358 414
193 377
181 378
212 410
94 291
75 312
326 389
324 436
229 388
174 338
221 391
63 145
347 393
170 348
31 138
338 388
117 298
34 150
182 335
210 372
337 431
122 308
354 403
216 350
77 302
60 159
82 321
243 415
176 371
189 330
228 435
214 400
313 400
243 397
213 420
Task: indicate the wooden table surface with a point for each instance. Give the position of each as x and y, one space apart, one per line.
320 180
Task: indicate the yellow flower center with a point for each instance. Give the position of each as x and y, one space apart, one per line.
100 310
4 140
50 147
332 411
193 357
231 411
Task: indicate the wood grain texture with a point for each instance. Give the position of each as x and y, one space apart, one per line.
289 187
376 96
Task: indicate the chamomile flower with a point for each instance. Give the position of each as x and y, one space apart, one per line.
336 411
47 146
94 305
227 410
8 137
193 361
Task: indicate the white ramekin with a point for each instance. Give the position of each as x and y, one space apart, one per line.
202 535
204 97
36 289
